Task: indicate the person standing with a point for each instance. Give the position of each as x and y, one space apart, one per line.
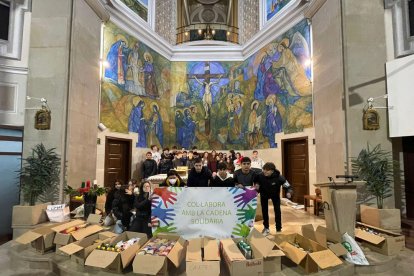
149 166
223 178
190 160
244 177
155 154
199 176
257 163
142 204
268 184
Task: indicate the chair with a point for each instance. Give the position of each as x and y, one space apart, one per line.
317 201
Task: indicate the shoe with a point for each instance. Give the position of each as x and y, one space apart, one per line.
266 231
278 230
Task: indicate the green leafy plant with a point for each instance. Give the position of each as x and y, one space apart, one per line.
92 191
40 173
376 167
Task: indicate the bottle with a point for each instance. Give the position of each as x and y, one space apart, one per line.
83 184
88 184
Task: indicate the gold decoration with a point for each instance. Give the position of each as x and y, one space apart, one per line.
43 119
371 119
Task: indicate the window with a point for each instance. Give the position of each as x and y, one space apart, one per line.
4 20
411 16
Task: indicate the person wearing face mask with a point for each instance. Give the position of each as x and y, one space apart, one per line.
173 180
122 204
223 178
110 196
142 205
268 184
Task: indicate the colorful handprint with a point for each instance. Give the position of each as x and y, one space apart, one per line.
165 229
162 214
245 197
241 230
246 214
165 195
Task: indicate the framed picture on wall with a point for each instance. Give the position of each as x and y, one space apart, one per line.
271 9
141 9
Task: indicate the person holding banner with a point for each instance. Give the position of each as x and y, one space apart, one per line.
223 178
199 176
268 184
244 177
142 204
173 180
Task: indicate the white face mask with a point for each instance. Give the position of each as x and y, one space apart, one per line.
136 190
118 187
172 181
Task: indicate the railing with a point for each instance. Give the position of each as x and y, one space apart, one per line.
219 32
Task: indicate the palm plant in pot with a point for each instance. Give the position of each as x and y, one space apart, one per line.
39 176
376 167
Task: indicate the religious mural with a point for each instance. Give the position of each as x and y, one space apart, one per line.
274 6
221 105
140 7
135 88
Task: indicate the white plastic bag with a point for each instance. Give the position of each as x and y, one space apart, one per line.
58 213
119 227
109 220
355 254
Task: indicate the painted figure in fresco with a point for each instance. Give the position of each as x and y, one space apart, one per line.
137 124
155 128
179 127
117 62
134 76
207 97
253 126
234 124
151 88
273 122
189 130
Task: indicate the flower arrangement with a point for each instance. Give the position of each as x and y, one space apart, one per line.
89 190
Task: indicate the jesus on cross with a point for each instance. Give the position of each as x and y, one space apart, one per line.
207 97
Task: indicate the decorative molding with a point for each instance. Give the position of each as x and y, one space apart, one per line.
207 50
99 9
12 48
403 42
14 70
314 7
14 87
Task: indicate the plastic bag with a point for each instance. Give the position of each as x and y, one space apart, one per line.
109 220
58 213
119 227
355 254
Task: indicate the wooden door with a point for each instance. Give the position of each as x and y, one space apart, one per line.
117 160
296 166
408 155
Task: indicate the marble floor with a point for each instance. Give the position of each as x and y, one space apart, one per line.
19 261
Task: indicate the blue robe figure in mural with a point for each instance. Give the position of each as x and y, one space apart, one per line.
117 60
137 124
273 124
189 130
179 127
156 130
266 84
151 88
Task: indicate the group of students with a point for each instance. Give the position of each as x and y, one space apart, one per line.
267 181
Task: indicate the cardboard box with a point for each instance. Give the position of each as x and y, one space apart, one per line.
387 219
236 263
314 257
161 265
29 215
207 266
323 235
392 244
64 239
80 250
116 261
41 239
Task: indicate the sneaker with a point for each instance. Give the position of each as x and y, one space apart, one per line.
278 230
266 231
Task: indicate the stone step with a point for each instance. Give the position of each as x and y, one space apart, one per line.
378 263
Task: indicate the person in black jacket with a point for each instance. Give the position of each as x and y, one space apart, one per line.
268 184
122 205
166 162
149 166
142 204
244 177
199 176
223 178
110 196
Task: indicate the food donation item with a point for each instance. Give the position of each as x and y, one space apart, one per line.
160 247
74 228
120 246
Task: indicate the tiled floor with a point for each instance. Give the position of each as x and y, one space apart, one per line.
20 262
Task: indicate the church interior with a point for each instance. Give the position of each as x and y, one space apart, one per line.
320 88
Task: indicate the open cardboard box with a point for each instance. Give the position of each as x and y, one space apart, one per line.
80 250
64 239
161 265
41 239
236 263
29 215
196 265
116 261
317 257
390 245
323 235
268 250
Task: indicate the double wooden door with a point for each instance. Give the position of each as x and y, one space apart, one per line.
117 160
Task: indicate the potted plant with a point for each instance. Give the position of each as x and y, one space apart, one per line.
376 167
39 175
89 194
